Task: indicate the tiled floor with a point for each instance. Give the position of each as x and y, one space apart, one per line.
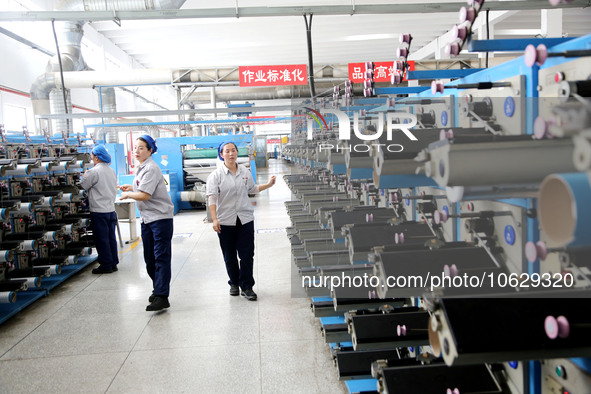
92 333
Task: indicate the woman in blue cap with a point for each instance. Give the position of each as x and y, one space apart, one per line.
101 184
232 213
156 210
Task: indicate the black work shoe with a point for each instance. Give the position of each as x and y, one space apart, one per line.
249 295
115 269
100 270
158 304
234 290
151 297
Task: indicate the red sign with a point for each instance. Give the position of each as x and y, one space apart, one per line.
274 141
294 74
382 71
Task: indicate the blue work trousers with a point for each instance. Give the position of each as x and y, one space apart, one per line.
157 237
238 241
103 229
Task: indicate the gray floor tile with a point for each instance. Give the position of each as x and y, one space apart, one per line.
88 373
211 369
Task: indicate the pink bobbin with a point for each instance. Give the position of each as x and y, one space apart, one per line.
454 270
401 330
531 252
348 83
542 250
540 128
402 52
391 102
563 327
556 2
444 216
371 294
557 327
367 83
367 92
443 134
335 199
437 217
336 90
369 66
542 52
536 55
450 134
452 49
396 78
396 238
459 32
470 206
401 238
446 271
398 65
467 15
437 87
405 38
369 74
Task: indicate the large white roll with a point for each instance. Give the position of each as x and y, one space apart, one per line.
21 169
564 210
7 297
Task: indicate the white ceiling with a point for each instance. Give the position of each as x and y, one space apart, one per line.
229 42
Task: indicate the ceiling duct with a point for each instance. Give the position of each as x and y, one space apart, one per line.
69 38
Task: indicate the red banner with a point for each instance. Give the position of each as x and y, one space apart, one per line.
382 71
294 74
274 141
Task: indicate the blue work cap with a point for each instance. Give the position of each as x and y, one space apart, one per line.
151 143
221 147
102 154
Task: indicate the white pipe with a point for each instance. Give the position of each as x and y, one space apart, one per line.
90 79
193 196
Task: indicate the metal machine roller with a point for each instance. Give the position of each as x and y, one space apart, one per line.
493 160
399 328
361 238
430 265
554 325
437 378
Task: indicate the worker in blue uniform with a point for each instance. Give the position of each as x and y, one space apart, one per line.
100 182
156 210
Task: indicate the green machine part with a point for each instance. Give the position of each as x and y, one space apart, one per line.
211 153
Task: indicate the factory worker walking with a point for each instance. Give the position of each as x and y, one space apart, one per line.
232 213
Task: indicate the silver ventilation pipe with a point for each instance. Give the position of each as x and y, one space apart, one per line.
108 104
194 129
69 39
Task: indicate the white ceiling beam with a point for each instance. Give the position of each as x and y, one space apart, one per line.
243 12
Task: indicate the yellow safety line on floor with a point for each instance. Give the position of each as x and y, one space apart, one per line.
133 245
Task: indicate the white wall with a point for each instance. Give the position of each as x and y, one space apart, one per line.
21 65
